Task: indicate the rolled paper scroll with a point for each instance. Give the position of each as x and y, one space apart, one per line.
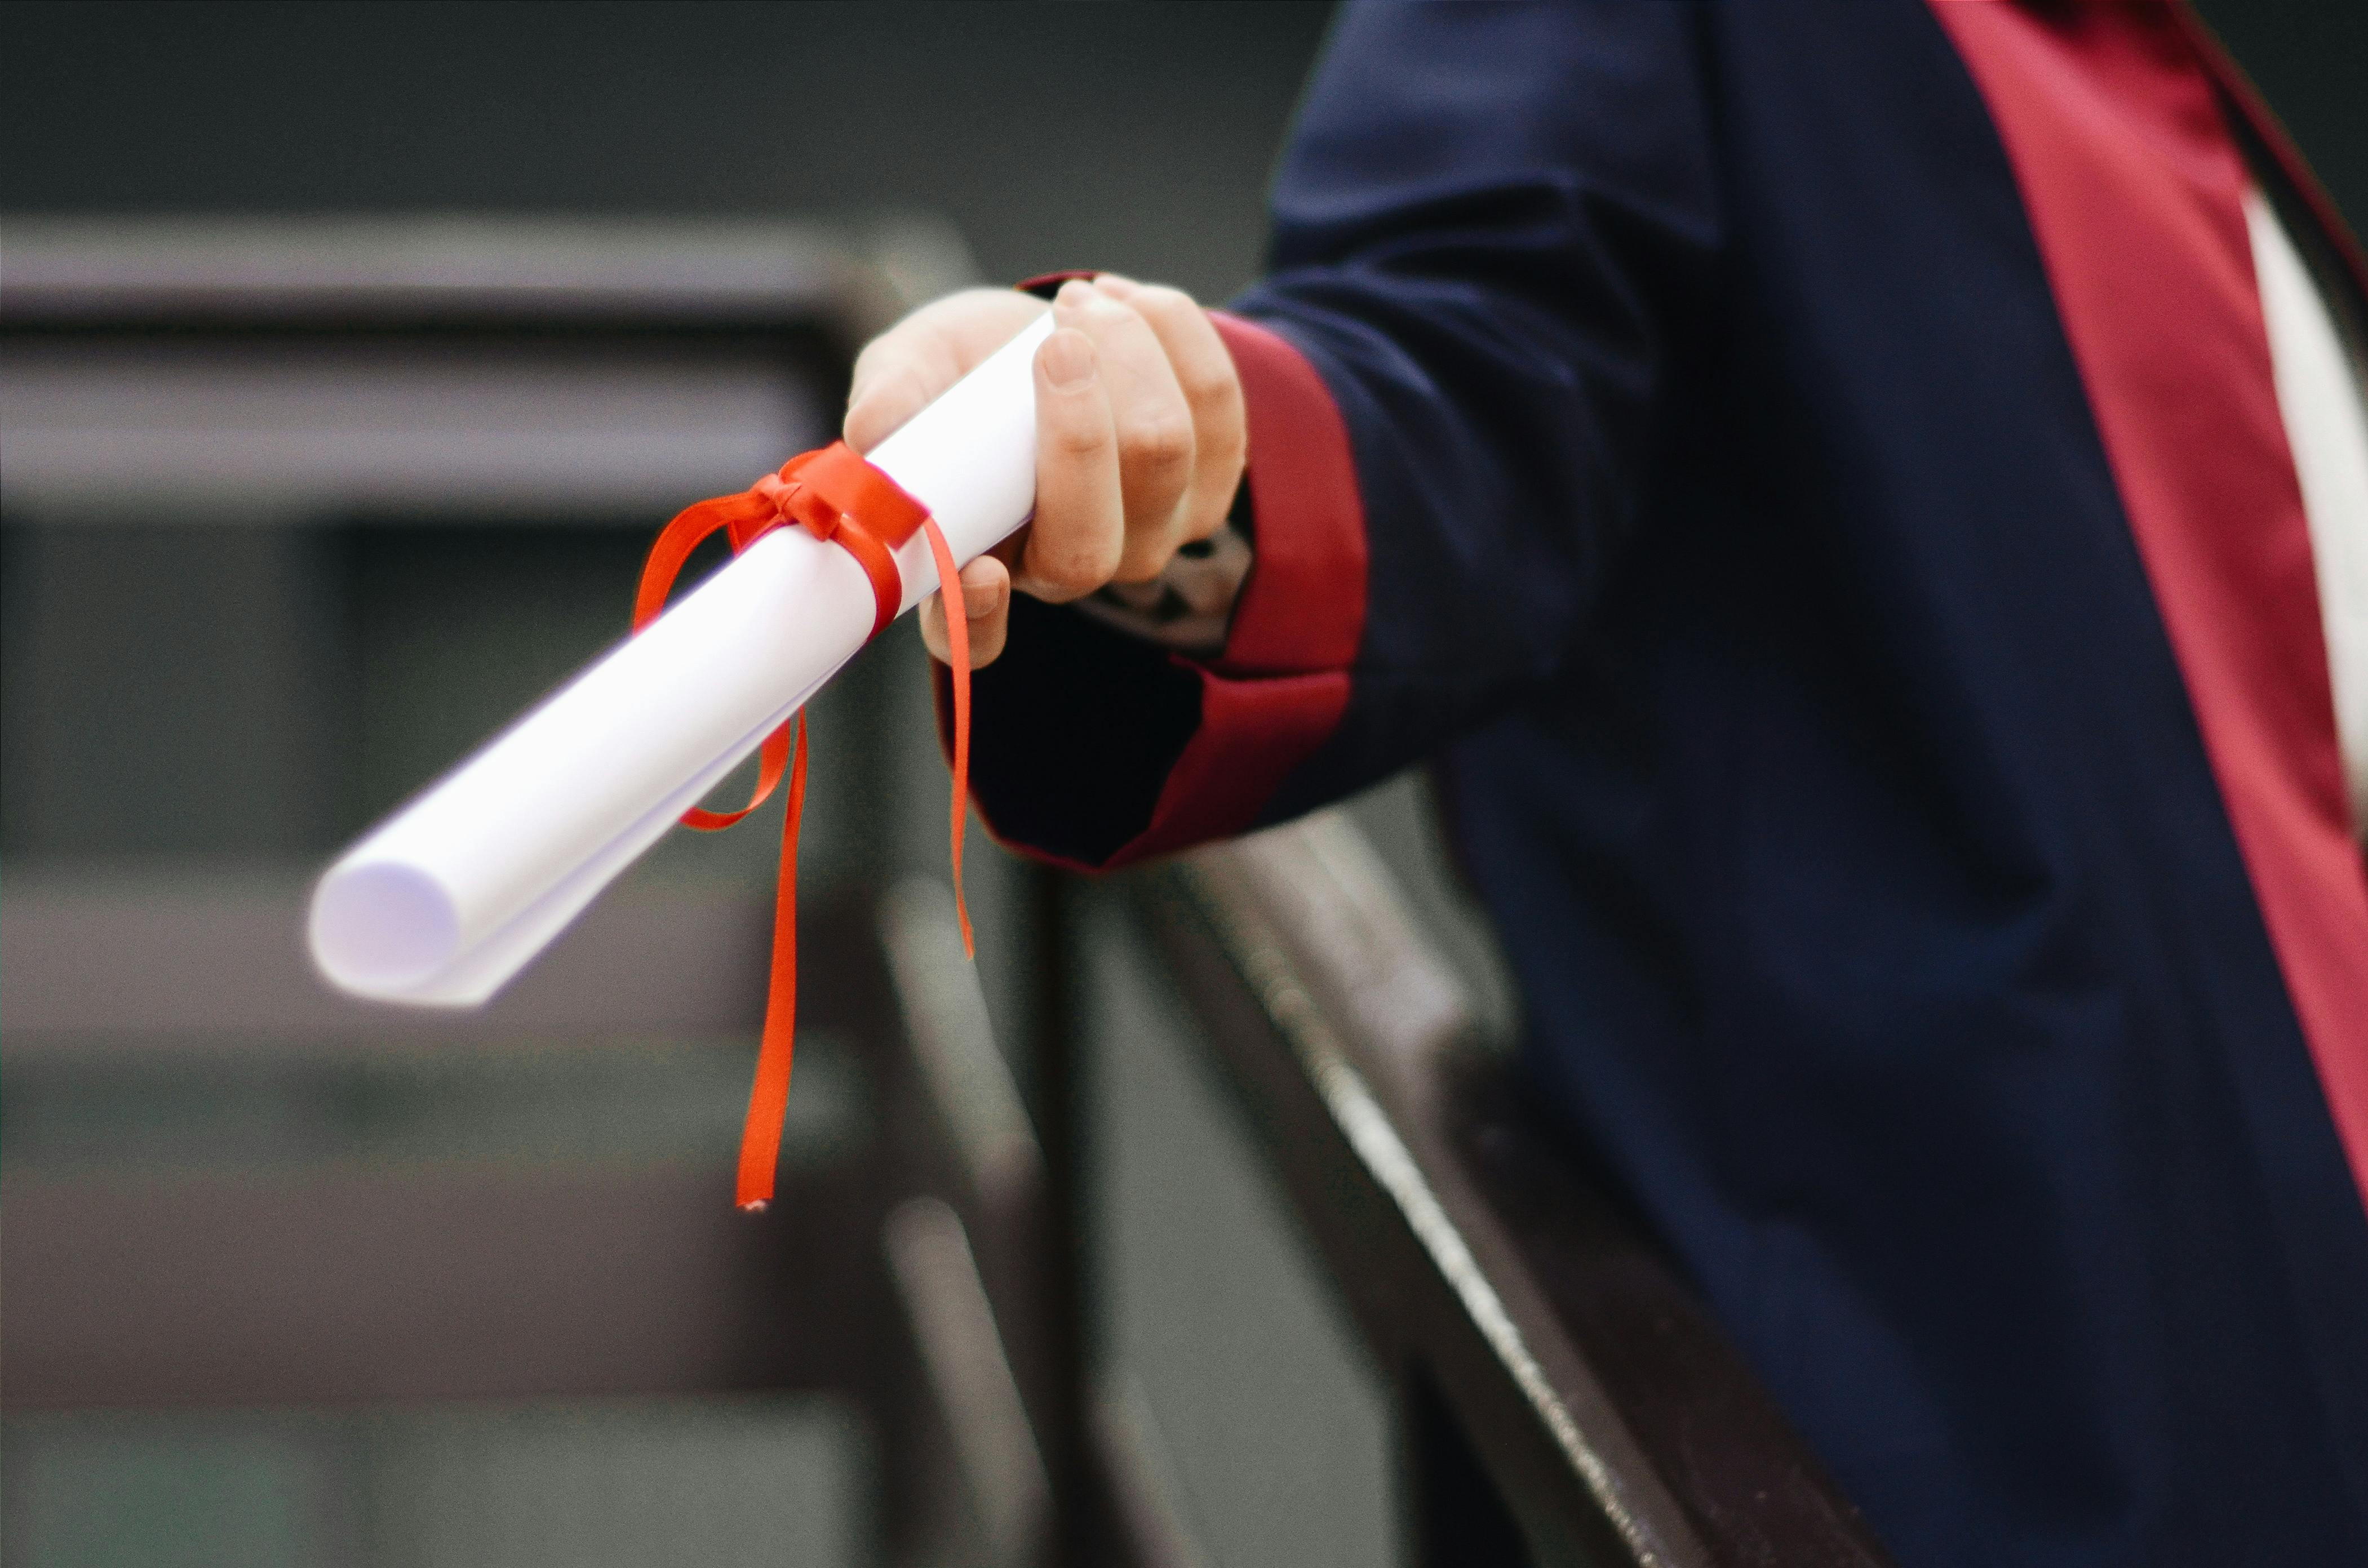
458 892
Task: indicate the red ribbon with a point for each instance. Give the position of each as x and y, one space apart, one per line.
840 499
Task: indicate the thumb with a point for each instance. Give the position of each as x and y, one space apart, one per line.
986 609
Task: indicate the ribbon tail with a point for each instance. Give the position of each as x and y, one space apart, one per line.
769 1099
958 646
771 759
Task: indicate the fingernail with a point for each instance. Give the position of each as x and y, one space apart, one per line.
1068 360
1075 295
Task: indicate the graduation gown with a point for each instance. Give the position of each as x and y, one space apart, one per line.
1808 478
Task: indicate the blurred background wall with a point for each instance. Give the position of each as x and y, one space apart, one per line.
1137 137
1130 136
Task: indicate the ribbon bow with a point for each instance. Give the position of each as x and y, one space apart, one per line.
840 499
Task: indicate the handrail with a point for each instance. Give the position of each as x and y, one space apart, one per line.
1611 1414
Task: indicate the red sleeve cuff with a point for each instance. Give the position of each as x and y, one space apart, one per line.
1302 609
1093 750
1282 685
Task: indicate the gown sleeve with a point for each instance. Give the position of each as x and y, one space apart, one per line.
1489 224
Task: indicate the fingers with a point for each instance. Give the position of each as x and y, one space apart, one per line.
1080 528
1141 434
986 608
1213 391
1156 443
900 371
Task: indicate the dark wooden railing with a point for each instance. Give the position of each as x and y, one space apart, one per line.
1561 1389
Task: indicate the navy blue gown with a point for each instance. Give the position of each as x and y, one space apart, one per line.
1807 480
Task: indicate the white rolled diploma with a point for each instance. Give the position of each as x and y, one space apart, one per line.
459 891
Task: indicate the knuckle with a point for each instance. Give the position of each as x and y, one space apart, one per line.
1206 518
1226 453
1099 314
1144 561
1159 441
903 379
1163 302
1208 383
1218 413
1072 573
1081 439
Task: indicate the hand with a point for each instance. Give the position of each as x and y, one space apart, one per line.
1140 435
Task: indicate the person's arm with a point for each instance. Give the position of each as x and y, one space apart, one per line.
1489 224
